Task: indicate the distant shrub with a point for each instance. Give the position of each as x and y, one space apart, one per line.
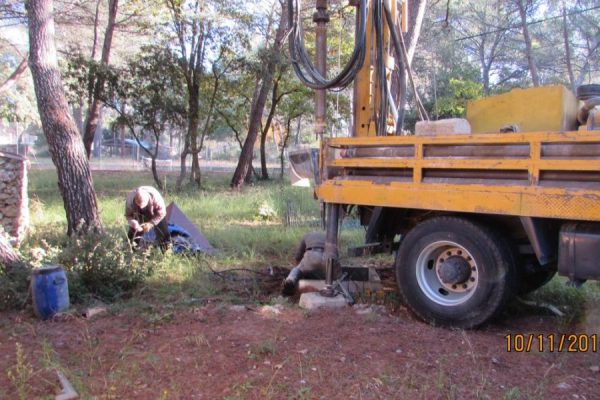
454 103
98 266
104 266
266 212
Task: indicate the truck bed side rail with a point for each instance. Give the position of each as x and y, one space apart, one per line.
540 174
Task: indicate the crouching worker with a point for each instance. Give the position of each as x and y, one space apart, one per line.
310 259
145 209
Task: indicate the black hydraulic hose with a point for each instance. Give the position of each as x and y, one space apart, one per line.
303 66
311 77
396 44
380 68
401 54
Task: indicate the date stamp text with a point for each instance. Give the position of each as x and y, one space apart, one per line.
552 342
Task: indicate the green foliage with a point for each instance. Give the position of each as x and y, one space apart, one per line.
572 301
75 72
454 103
147 95
152 88
105 266
227 218
513 394
266 212
14 289
263 349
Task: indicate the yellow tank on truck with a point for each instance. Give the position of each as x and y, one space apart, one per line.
544 108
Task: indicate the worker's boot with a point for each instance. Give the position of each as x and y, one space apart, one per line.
289 284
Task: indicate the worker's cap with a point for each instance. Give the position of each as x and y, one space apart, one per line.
142 198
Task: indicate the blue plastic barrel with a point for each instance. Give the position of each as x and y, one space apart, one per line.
49 291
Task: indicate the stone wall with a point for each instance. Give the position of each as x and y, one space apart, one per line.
14 201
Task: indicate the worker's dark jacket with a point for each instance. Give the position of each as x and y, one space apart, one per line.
154 212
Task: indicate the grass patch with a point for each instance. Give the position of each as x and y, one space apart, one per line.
573 302
255 228
263 349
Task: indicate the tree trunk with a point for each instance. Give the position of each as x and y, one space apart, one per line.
275 98
247 153
191 139
416 12
122 137
297 134
264 171
485 70
94 111
182 164
196 174
258 103
193 122
64 141
250 175
191 29
98 135
284 139
251 172
281 163
157 180
528 51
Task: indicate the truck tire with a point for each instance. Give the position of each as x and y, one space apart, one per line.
455 272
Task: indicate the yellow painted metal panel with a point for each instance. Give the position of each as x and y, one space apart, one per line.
505 200
533 109
366 86
566 186
363 88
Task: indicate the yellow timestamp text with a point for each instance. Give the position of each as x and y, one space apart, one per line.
552 342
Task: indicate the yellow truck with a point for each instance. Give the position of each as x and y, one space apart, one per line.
480 216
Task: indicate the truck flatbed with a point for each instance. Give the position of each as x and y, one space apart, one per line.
532 174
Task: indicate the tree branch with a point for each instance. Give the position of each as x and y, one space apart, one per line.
14 77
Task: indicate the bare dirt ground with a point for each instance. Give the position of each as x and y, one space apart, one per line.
219 351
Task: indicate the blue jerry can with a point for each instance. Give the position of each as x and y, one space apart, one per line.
49 291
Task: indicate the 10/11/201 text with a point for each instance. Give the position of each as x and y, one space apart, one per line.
552 342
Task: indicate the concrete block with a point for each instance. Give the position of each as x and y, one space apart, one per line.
313 301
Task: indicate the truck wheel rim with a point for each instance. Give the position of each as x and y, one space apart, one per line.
428 274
